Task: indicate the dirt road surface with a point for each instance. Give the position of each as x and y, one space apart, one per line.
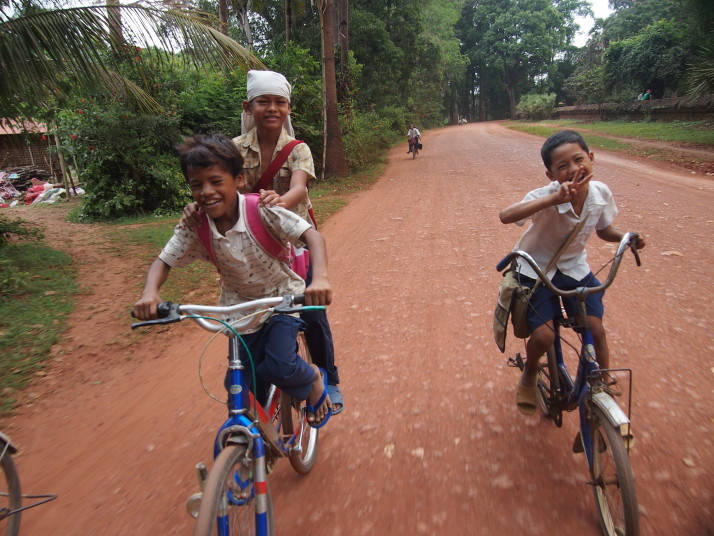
430 441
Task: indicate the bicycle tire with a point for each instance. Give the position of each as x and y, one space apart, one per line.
293 415
612 479
414 153
10 494
231 462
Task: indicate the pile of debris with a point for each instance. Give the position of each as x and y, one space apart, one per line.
28 185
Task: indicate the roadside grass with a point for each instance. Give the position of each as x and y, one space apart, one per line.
39 287
698 132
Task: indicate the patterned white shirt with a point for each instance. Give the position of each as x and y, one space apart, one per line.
551 226
247 272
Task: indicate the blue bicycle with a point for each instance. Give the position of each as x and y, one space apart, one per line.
605 431
235 497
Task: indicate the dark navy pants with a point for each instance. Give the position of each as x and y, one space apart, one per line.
274 353
319 339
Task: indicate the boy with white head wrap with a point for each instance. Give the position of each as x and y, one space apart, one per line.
261 83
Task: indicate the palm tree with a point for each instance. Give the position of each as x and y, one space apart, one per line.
45 51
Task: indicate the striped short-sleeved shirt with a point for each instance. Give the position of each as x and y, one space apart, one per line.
247 272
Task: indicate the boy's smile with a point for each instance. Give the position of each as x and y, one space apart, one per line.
216 192
569 162
269 111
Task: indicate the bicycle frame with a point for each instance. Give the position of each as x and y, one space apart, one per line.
248 422
587 387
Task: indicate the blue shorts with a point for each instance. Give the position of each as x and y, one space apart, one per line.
544 306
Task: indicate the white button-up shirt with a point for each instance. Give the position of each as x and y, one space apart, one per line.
551 227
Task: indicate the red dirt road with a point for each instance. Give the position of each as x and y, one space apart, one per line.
430 441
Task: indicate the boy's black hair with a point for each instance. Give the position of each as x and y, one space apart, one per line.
558 139
204 151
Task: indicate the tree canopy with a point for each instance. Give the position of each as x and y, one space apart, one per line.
358 80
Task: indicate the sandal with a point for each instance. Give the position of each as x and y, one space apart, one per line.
527 399
313 409
338 403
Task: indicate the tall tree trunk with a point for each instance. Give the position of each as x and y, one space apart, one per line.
223 16
288 22
343 32
510 84
333 158
244 22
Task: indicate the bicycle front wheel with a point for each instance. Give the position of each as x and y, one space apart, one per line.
229 502
612 479
303 451
10 494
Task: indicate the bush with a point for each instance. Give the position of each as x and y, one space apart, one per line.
126 161
365 135
536 107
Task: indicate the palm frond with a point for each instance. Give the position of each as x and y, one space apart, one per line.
41 52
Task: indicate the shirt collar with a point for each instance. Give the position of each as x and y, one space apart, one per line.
251 140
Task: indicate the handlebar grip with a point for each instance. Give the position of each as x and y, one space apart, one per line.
167 314
299 299
503 263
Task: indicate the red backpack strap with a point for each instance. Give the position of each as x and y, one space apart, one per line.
271 245
206 238
267 177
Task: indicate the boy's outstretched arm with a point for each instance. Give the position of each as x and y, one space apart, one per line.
612 234
295 195
145 308
523 209
319 292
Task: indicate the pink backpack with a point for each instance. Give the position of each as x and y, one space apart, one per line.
299 262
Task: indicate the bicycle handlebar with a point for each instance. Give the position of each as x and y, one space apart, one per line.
170 312
628 241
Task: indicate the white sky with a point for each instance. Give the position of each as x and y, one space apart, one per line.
600 10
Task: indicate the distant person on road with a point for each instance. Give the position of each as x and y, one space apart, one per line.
647 95
555 210
413 137
639 97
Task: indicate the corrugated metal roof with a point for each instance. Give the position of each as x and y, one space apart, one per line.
8 126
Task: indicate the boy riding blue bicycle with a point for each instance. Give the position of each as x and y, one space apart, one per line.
563 216
213 167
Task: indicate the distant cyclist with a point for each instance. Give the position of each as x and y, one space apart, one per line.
413 136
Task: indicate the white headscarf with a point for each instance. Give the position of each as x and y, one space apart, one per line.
265 83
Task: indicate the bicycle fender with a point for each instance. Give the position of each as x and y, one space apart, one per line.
615 415
12 449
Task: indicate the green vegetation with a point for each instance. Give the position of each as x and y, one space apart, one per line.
37 293
699 132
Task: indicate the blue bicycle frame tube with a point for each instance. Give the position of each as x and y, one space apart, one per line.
587 367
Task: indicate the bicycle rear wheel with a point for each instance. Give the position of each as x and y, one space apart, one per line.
612 479
10 494
293 416
230 492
